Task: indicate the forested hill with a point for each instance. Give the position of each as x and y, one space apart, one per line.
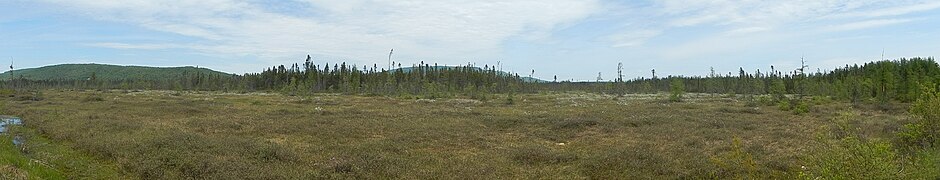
107 72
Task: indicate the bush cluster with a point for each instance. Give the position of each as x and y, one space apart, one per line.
925 131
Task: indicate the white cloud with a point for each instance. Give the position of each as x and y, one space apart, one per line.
134 46
454 31
866 24
893 11
752 13
717 27
729 17
742 16
358 29
748 30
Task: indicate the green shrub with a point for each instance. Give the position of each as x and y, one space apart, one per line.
925 131
783 105
800 107
735 164
852 158
925 164
843 154
92 98
922 137
916 135
510 99
764 100
796 106
820 100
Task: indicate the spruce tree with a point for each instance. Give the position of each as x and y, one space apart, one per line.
678 89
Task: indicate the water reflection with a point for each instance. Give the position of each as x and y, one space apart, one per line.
6 122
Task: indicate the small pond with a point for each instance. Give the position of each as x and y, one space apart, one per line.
7 121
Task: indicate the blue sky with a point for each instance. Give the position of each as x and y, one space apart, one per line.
570 39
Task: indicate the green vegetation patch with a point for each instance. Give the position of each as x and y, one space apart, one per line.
15 165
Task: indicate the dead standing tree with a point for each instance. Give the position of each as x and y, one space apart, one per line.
12 76
801 77
390 64
620 72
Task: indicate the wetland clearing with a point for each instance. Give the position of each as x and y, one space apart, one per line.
179 135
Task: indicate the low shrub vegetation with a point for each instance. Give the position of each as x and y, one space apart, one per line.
847 153
158 135
853 158
925 130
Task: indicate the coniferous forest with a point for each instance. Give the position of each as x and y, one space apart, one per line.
901 80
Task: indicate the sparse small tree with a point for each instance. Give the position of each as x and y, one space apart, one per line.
510 96
778 89
678 89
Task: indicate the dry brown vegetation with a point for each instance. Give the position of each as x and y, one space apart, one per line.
171 135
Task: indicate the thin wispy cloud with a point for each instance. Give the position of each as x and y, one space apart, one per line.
866 24
135 46
893 11
746 30
745 17
351 29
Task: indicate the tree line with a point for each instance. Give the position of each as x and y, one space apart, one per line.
899 80
418 79
902 80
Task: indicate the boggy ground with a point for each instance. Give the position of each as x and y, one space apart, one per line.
171 135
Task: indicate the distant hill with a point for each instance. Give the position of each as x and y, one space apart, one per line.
105 72
524 78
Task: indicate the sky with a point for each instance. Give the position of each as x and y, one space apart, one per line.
570 39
